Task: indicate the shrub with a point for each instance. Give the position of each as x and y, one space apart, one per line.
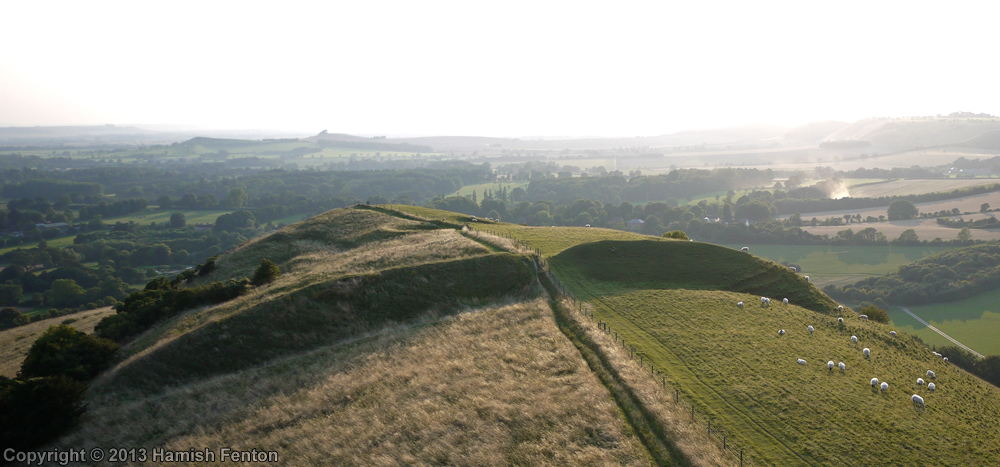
266 273
36 410
680 235
875 313
64 351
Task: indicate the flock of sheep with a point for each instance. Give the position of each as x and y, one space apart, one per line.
882 386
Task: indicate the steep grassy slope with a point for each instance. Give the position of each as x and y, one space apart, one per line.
734 365
489 386
653 264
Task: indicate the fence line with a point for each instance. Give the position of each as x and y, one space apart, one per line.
740 456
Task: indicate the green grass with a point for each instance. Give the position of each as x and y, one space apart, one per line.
496 187
163 216
974 322
613 266
841 265
733 365
55 242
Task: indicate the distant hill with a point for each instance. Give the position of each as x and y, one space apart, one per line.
815 132
900 134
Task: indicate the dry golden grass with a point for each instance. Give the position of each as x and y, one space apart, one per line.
689 437
317 264
491 386
15 342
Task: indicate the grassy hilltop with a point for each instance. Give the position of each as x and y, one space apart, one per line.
396 336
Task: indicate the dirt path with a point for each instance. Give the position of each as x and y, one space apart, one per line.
932 328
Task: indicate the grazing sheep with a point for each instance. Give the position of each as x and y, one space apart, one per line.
864 317
931 386
885 386
807 278
840 320
793 268
739 304
842 367
854 339
892 333
840 307
936 354
946 359
785 301
781 332
920 381
811 329
867 352
918 400
874 382
745 249
931 374
802 362
830 365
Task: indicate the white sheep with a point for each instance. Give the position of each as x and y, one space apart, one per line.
892 333
931 374
739 304
745 249
830 365
854 339
936 354
867 352
920 381
874 382
946 359
811 329
840 320
885 386
802 362
785 301
864 317
807 278
917 399
931 386
842 367
840 307
781 332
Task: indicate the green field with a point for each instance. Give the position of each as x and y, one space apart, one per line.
841 265
974 322
479 189
160 217
55 242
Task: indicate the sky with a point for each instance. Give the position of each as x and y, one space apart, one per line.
506 69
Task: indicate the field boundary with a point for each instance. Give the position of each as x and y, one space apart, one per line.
932 328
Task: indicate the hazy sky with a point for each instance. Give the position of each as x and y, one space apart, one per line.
493 68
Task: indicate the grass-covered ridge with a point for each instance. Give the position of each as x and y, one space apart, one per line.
655 264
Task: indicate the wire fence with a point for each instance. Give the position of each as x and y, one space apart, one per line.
737 454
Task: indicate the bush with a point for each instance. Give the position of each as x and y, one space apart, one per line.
679 235
64 351
37 410
875 313
266 273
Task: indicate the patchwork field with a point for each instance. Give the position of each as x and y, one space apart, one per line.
974 322
914 187
927 229
964 204
496 187
841 265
